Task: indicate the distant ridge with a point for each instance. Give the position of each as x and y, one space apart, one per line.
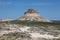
56 21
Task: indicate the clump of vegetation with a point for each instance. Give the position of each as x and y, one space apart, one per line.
27 22
15 36
33 22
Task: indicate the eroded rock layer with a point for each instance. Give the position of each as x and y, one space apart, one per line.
32 15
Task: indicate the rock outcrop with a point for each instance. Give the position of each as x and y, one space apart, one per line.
24 32
32 15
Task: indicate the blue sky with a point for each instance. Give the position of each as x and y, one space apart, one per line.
13 9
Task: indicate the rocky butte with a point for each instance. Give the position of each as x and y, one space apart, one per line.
37 28
32 15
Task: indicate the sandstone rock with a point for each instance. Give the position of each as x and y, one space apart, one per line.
32 15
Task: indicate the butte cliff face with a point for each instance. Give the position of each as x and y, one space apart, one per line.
32 15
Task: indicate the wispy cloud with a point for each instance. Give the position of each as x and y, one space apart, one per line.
25 3
40 4
5 3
